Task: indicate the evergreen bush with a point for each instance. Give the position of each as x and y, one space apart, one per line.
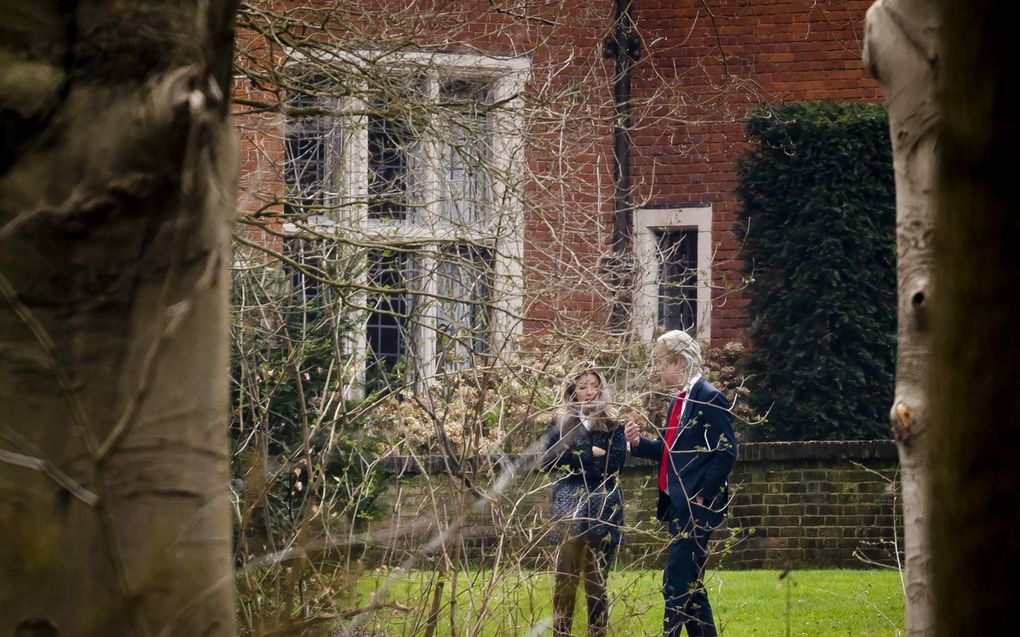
819 219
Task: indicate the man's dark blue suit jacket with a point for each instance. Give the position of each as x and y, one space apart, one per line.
700 459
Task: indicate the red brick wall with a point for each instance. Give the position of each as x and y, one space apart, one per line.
703 66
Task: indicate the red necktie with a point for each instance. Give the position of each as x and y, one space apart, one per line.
672 425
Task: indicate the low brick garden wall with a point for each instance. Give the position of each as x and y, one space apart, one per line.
815 504
795 505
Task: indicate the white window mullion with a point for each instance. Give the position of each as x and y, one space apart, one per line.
354 216
507 208
430 222
431 169
425 359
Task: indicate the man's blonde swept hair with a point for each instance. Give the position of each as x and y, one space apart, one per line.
679 344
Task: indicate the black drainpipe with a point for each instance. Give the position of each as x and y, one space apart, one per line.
624 46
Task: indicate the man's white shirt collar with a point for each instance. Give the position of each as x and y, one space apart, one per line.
690 384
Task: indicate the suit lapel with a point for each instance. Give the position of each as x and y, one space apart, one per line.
685 413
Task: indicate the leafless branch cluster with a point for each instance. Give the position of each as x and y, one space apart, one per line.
426 214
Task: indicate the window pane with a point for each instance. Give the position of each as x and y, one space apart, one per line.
307 149
309 266
389 328
312 266
394 149
464 287
466 151
678 278
388 168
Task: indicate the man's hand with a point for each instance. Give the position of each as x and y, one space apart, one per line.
598 452
632 433
700 501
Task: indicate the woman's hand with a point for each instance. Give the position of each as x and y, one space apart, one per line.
598 452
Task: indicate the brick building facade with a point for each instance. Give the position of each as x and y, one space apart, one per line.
546 117
720 59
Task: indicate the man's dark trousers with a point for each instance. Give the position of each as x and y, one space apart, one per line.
682 586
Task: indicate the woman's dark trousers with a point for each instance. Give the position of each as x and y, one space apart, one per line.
575 560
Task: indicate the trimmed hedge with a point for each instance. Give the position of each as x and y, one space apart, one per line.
819 224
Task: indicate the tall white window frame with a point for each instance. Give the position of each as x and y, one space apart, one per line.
649 226
442 221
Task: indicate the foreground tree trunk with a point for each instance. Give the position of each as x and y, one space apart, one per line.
900 50
976 349
117 173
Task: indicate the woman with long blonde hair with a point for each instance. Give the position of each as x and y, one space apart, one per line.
585 450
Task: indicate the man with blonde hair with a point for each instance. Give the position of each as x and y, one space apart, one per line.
695 450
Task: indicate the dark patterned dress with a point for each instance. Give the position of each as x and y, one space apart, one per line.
587 502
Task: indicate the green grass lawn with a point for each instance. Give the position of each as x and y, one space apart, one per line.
803 604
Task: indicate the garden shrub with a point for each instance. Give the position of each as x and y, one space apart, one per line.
818 220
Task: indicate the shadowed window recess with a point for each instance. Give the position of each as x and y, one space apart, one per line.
678 278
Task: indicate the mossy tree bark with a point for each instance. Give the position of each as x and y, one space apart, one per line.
117 182
901 51
976 404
